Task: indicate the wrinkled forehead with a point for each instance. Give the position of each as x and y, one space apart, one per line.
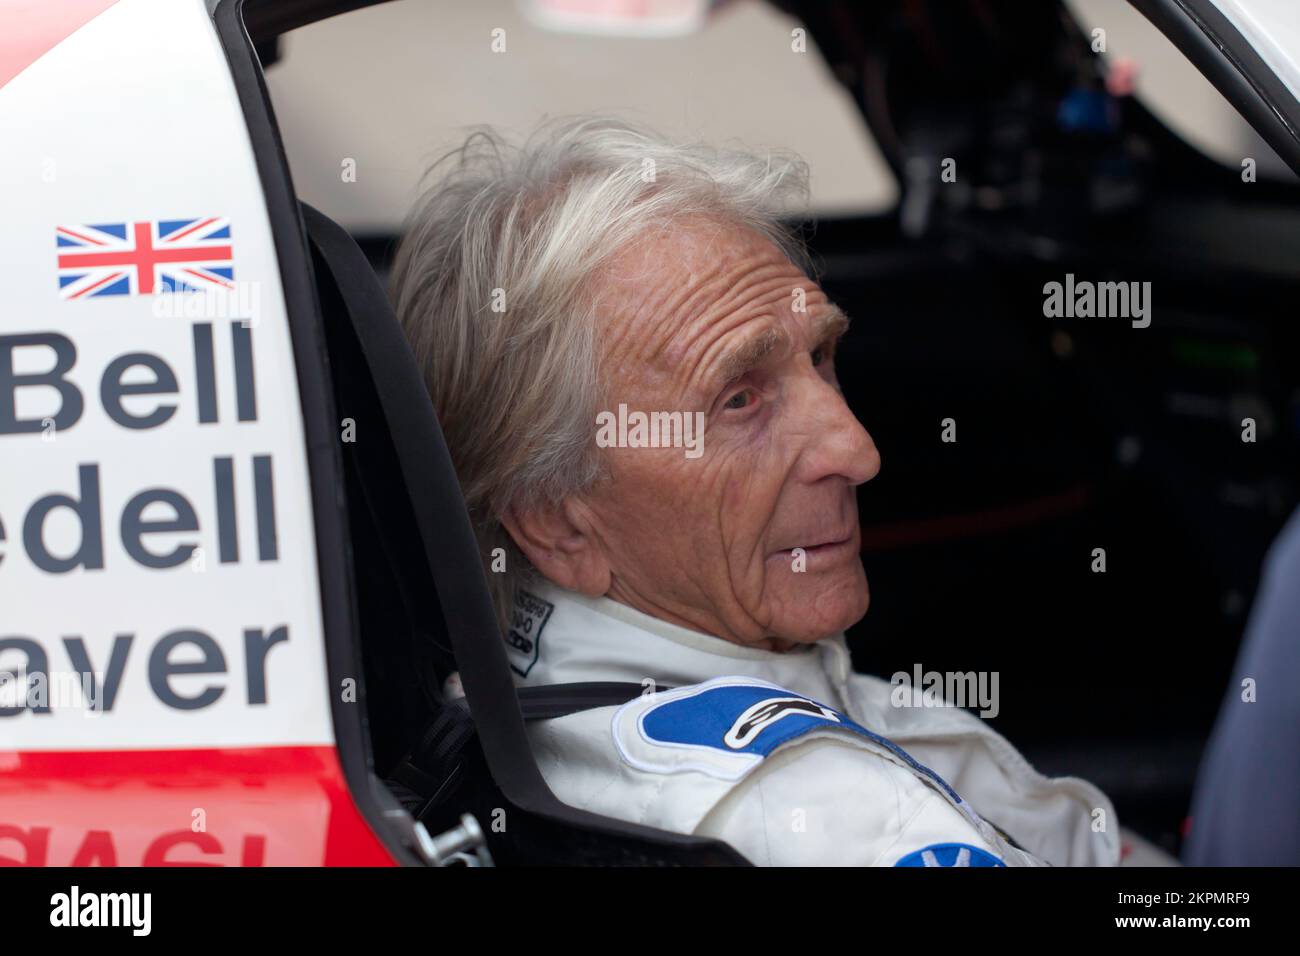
680 249
652 293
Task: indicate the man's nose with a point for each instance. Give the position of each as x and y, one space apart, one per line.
838 445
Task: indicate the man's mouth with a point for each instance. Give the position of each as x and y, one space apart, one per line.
822 553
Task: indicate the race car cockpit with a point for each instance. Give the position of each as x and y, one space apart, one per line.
403 585
311 559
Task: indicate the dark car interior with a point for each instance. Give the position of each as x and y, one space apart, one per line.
1072 434
1080 433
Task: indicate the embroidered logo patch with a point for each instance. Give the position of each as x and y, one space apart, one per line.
744 718
950 854
524 637
758 717
726 726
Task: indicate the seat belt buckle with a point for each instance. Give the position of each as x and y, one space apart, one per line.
463 845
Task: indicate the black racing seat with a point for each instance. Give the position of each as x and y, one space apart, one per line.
424 610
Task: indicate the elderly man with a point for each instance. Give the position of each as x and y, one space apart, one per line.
601 272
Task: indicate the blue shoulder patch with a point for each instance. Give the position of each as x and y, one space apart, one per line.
950 854
736 716
740 718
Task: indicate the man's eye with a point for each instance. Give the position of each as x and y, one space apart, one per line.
739 400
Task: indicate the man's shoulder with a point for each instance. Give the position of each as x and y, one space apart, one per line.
725 727
679 752
676 759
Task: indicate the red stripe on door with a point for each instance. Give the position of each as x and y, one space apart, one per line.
256 806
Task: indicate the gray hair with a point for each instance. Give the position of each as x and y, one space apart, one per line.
493 283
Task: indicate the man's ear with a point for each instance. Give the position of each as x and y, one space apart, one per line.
558 540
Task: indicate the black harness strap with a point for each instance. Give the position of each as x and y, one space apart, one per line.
432 770
560 700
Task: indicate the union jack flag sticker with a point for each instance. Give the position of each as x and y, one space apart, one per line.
141 258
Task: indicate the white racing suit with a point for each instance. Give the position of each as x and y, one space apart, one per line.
791 758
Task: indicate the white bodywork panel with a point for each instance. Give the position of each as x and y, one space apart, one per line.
134 119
